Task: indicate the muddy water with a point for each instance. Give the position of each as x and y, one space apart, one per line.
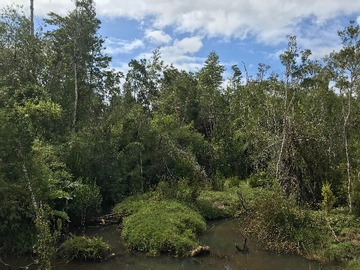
221 237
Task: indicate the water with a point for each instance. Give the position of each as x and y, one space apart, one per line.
221 236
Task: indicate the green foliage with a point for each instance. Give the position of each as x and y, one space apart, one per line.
84 248
70 139
131 205
353 265
283 226
231 182
165 227
217 182
181 191
86 198
45 247
339 252
356 197
218 204
328 197
260 179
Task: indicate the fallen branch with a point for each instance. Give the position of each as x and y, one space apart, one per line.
9 267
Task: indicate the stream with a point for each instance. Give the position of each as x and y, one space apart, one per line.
221 236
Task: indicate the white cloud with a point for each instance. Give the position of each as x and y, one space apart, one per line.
187 45
157 36
181 53
116 46
268 21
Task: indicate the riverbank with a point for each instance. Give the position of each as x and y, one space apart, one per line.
276 222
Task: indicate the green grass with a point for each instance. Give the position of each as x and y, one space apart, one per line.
353 265
165 227
131 204
84 248
218 204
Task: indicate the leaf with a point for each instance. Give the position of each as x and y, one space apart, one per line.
60 214
60 194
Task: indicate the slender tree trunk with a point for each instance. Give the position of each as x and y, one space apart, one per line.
284 124
32 194
32 17
76 98
76 85
348 165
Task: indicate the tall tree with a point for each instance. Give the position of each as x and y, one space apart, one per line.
345 65
80 79
210 79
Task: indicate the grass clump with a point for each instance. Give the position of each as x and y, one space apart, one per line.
131 204
165 227
84 248
218 204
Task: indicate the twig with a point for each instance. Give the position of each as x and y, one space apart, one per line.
331 229
26 266
7 265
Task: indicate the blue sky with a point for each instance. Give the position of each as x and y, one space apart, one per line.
249 31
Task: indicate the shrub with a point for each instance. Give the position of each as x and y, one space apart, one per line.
231 182
328 197
181 191
84 248
339 252
282 226
166 227
218 204
356 198
260 179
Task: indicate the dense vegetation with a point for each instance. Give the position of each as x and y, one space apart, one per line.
77 136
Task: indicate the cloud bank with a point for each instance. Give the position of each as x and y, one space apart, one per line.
267 21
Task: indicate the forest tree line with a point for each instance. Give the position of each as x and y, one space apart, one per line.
77 136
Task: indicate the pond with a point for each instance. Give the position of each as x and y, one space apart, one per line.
221 236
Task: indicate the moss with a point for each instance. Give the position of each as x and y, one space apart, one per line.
165 227
218 204
84 248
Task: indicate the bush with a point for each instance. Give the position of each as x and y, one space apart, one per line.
328 197
165 227
218 204
231 182
282 226
84 248
260 179
339 252
180 191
